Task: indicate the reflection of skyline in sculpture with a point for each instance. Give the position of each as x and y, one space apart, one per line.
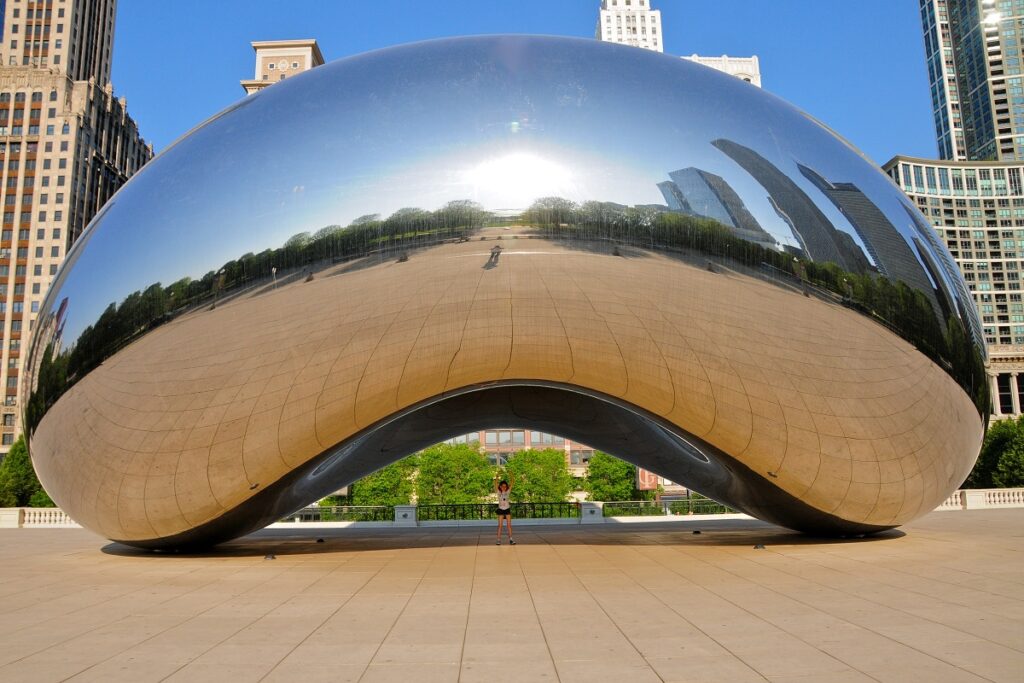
964 305
813 229
890 252
700 193
673 197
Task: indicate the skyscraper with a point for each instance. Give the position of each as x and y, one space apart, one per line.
630 22
974 65
66 145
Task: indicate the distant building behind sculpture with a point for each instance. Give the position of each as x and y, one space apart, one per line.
636 23
630 22
744 68
279 59
972 52
66 145
977 209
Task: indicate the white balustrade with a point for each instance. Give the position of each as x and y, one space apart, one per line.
1013 498
954 502
47 517
964 499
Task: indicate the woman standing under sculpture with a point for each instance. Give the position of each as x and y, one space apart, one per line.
503 489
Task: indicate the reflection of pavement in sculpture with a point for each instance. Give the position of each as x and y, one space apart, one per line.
833 408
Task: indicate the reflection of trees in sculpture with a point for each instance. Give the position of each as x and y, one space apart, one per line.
906 311
141 311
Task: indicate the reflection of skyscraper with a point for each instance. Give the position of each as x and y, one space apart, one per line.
889 250
701 197
812 228
704 194
673 197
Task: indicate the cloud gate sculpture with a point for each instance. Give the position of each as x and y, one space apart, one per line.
603 242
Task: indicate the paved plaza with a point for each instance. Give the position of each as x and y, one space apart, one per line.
940 600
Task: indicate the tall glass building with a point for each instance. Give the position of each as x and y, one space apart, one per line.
973 52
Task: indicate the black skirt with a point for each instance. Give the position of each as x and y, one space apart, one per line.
503 513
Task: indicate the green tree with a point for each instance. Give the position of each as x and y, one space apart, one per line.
609 478
1000 437
540 476
1009 470
18 483
390 485
453 474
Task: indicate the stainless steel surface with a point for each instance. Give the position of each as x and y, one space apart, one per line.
620 246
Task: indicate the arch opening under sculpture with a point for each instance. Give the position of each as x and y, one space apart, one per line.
598 420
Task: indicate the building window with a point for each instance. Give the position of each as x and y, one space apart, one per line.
8 439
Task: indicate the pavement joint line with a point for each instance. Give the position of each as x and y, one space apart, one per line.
469 605
398 616
118 620
695 626
889 606
190 618
597 603
814 607
757 616
325 619
536 612
940 602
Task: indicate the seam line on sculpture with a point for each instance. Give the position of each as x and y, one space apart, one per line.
700 363
462 335
561 322
611 334
405 365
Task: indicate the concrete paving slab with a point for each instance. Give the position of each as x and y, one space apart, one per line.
941 599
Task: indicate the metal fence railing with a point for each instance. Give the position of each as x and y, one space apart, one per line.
343 513
650 508
470 511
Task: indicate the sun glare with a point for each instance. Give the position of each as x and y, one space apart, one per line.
516 180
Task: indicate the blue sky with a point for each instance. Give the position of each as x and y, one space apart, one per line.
856 66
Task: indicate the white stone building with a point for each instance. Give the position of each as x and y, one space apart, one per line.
745 68
630 22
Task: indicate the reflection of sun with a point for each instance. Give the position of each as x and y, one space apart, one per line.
516 180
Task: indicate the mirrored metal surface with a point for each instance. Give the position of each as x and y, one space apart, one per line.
617 245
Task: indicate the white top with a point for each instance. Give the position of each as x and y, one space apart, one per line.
503 500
